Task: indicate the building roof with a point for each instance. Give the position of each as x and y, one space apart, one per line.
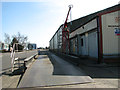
83 20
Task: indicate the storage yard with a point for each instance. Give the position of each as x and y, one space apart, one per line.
92 36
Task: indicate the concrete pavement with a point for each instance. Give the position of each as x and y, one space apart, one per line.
7 79
104 76
52 72
11 81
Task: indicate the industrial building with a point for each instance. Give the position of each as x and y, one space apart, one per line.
96 35
32 46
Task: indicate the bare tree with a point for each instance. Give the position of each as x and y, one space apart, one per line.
21 38
7 39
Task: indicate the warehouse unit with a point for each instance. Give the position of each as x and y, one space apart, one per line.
32 46
110 33
96 35
55 44
84 40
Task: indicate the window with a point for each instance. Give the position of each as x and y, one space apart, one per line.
82 42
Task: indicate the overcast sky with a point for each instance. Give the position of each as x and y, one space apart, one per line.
39 20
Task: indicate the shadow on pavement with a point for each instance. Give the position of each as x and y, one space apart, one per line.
102 72
112 72
61 67
15 72
95 70
66 69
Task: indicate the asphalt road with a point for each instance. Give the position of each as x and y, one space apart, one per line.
6 59
55 71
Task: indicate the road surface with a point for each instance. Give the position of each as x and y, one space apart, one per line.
51 72
6 59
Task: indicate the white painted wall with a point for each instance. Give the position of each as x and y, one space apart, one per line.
55 42
51 43
89 26
85 49
93 44
110 40
73 46
59 34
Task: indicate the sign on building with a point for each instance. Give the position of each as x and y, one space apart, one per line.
117 31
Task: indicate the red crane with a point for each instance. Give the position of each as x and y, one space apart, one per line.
65 34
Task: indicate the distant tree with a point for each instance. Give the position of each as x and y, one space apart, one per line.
46 47
14 41
18 38
20 47
22 40
17 46
7 39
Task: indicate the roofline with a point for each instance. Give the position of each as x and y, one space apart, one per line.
56 31
84 23
97 14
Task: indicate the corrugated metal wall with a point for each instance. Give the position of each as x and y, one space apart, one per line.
56 41
110 39
86 41
59 36
87 34
93 44
74 46
89 26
